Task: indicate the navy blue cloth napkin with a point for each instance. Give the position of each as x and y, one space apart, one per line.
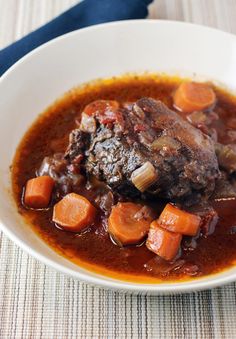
86 13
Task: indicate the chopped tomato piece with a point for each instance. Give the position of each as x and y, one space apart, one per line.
111 117
38 192
100 107
74 212
162 242
193 96
176 220
106 111
129 223
139 128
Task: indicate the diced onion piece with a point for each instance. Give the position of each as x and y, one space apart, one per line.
138 111
165 142
144 176
226 157
197 117
88 123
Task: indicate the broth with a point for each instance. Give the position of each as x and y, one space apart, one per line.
93 248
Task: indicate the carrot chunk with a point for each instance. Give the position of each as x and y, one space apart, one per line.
175 220
162 242
74 212
38 192
129 223
193 96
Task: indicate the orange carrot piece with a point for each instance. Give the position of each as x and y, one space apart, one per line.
162 242
38 192
127 225
74 212
193 96
175 220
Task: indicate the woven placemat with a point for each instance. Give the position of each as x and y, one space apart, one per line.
38 302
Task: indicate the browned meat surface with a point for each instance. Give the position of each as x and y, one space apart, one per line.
180 158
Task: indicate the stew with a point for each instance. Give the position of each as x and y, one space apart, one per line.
134 177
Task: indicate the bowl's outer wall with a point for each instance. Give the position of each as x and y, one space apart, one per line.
97 52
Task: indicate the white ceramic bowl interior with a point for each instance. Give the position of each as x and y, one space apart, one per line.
97 52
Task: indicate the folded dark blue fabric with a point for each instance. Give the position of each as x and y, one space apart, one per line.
85 13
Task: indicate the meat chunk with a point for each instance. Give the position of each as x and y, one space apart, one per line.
182 163
65 176
209 219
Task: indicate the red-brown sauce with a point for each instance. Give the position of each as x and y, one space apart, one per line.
93 248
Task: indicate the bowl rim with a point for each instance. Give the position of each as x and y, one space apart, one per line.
100 280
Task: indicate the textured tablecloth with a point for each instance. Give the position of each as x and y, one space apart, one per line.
38 302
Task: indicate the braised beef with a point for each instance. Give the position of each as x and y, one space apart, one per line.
209 220
66 177
182 156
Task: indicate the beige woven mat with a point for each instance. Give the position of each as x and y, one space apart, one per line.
37 302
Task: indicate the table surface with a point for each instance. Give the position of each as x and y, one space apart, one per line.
38 302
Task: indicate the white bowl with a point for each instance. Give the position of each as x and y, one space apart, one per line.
96 52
